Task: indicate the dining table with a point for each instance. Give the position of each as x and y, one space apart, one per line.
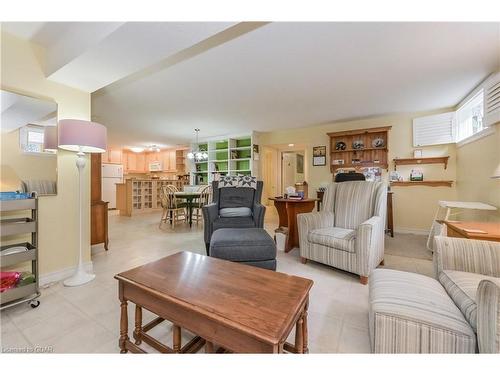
191 198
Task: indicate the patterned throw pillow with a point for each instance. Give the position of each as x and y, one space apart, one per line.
228 181
247 181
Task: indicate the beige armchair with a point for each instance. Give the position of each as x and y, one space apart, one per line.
348 233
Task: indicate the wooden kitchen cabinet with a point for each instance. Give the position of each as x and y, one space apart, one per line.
141 162
172 161
168 159
152 157
112 156
131 162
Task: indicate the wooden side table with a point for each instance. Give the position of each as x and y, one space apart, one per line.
473 230
287 212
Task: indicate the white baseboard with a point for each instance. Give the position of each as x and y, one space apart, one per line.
52 277
424 232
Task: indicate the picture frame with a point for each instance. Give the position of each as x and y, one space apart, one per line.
319 156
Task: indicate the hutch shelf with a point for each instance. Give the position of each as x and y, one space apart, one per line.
372 148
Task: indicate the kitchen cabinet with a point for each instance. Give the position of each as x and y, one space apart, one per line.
140 160
152 157
112 156
168 159
134 162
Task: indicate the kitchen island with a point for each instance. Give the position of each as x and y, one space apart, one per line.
141 195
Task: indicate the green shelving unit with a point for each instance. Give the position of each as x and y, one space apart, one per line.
226 156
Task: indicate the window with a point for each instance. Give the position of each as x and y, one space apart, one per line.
470 117
31 138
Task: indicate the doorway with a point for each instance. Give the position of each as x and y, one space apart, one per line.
292 168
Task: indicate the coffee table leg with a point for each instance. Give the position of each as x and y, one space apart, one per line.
209 347
138 325
176 339
305 333
299 335
123 327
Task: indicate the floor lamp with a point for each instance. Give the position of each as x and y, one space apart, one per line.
81 137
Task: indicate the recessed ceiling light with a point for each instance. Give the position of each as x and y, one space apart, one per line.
291 144
136 149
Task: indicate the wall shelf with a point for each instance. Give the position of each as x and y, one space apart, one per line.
416 161
431 183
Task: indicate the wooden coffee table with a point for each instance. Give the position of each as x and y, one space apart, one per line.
234 307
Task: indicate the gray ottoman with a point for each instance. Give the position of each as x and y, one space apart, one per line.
252 246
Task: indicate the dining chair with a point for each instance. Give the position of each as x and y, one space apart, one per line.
174 210
204 199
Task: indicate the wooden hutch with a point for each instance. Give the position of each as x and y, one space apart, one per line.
343 154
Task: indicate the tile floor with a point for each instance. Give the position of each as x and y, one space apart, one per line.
86 319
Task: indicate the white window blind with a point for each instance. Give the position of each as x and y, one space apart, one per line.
434 130
492 101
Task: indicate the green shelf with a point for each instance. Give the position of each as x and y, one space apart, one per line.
245 142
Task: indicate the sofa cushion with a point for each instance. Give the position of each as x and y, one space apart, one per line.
412 313
235 212
230 197
338 238
462 288
233 222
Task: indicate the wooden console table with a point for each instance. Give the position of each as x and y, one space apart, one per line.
473 230
232 307
287 212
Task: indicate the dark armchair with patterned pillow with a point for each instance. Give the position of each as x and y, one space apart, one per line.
233 207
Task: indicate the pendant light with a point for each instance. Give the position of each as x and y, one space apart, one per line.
195 153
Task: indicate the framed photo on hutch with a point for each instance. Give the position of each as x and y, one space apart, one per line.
319 156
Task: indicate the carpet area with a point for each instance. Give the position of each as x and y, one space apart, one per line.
408 245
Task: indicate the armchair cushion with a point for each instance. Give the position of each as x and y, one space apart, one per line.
230 197
233 222
354 203
235 212
462 288
338 238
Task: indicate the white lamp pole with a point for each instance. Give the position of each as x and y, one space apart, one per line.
81 136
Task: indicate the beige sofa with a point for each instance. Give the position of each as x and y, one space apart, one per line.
458 312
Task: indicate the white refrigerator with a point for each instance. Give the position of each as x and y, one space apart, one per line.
111 175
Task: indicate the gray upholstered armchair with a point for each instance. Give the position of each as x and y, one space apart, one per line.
233 207
348 233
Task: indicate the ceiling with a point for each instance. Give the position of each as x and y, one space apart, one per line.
156 82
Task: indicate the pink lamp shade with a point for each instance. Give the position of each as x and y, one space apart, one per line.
79 135
50 138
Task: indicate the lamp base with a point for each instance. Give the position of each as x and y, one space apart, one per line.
79 278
